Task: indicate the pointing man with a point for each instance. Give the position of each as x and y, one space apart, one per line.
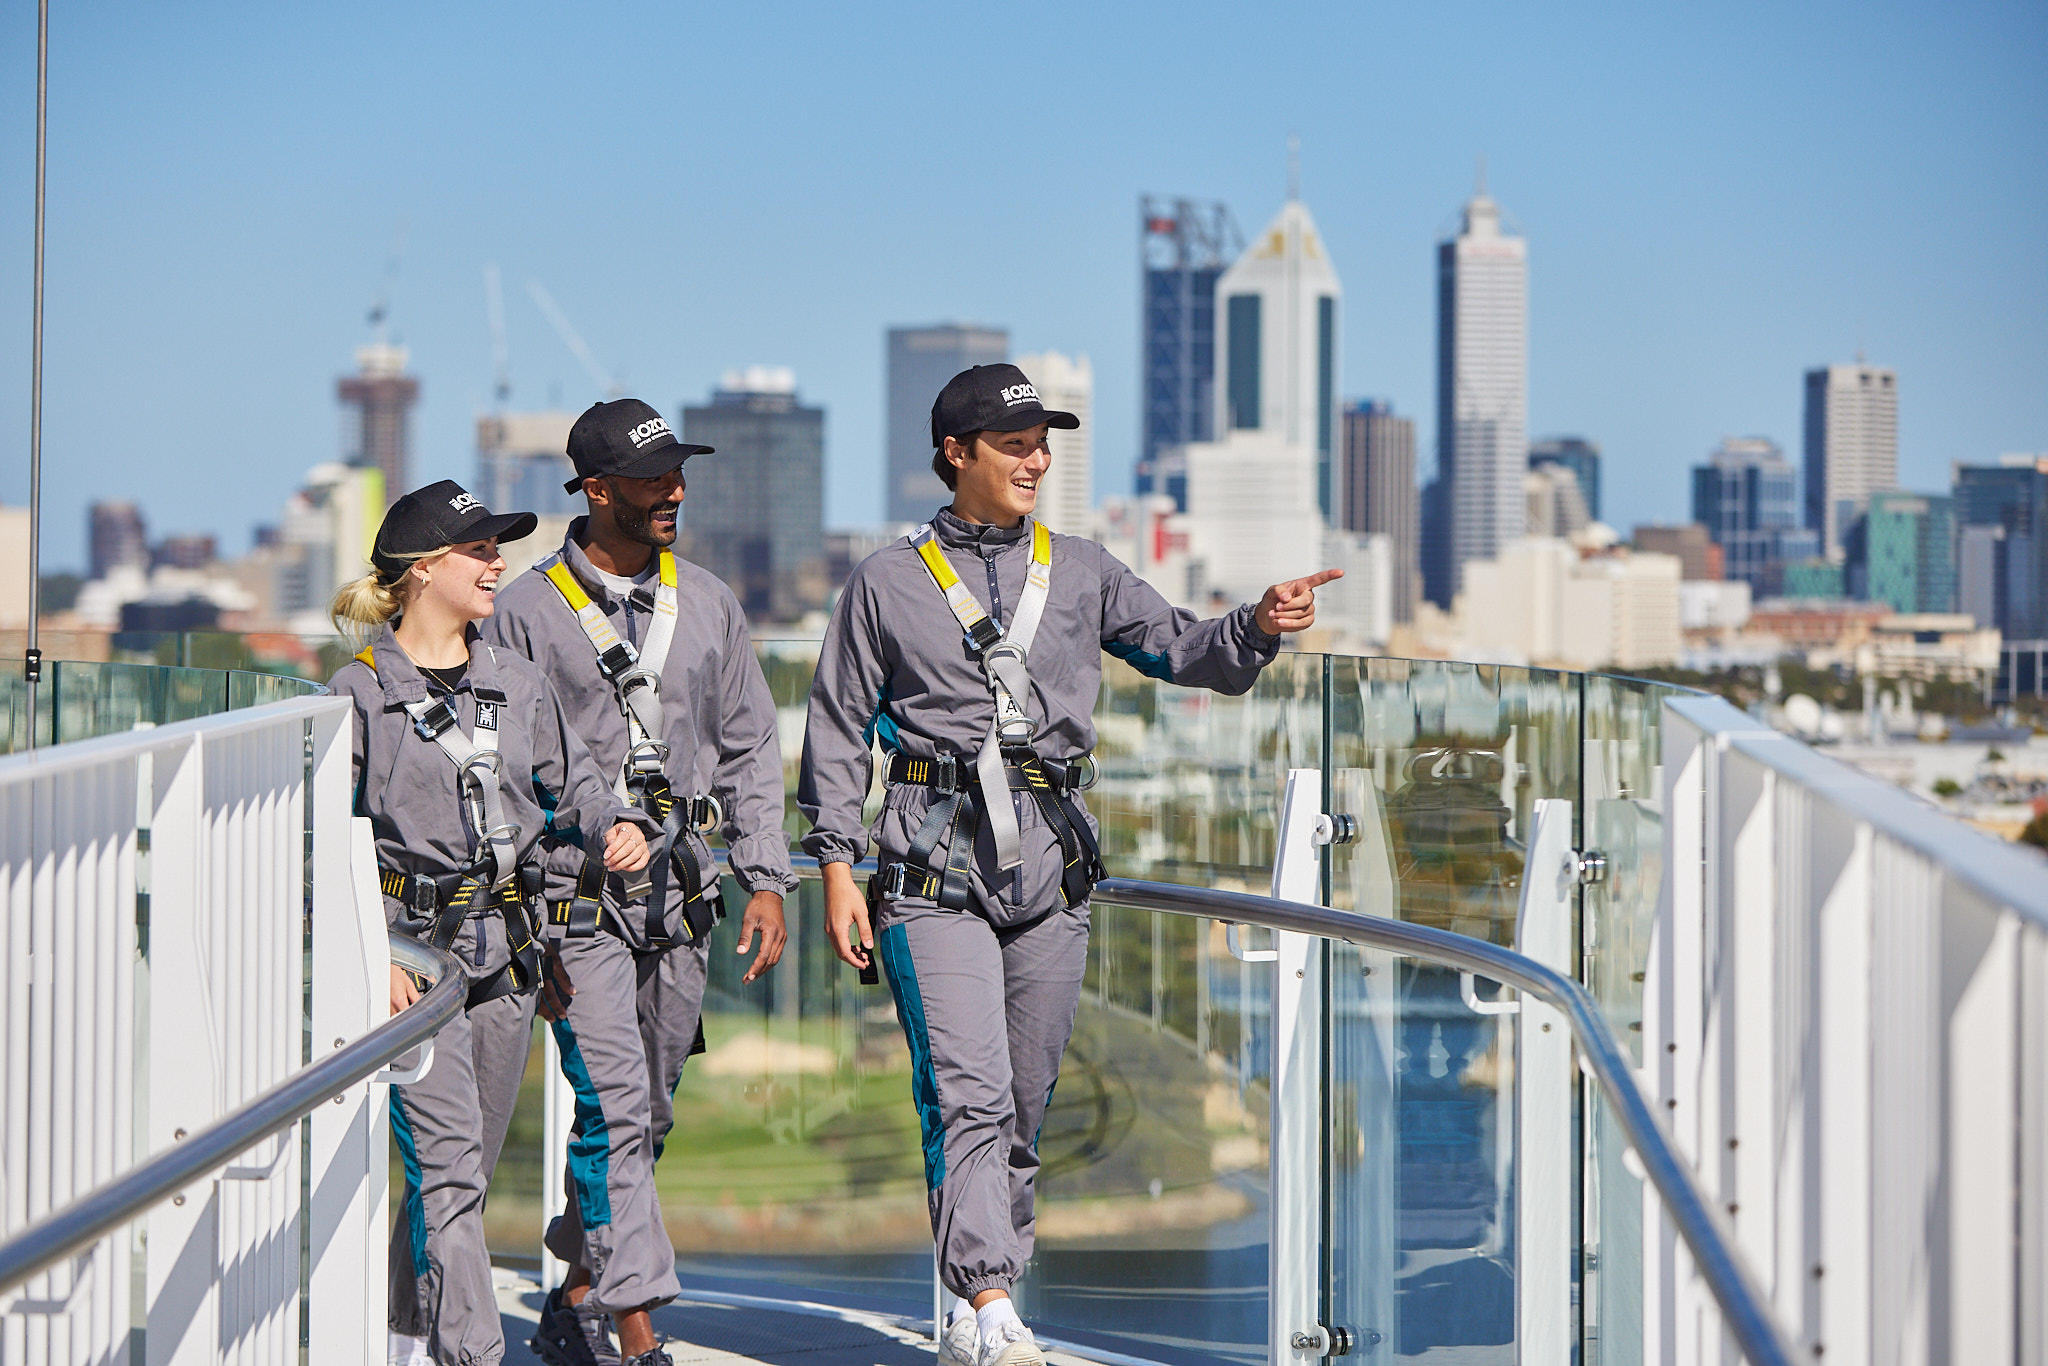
651 658
973 652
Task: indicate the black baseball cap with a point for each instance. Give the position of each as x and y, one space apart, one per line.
992 398
624 437
440 514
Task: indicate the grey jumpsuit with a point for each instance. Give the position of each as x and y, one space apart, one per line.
450 1124
636 1010
896 668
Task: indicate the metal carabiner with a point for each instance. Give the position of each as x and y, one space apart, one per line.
716 815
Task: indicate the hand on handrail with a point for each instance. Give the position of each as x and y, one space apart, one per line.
404 991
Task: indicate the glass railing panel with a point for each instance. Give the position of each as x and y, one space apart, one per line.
1440 764
1623 822
1152 1202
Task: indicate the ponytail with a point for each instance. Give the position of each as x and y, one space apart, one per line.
362 605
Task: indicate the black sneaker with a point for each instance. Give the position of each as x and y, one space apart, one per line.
565 1337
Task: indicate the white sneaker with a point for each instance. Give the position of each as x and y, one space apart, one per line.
1012 1345
404 1350
961 1342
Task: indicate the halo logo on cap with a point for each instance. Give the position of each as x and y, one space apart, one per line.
1019 393
463 502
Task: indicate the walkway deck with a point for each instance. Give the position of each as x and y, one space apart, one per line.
730 1330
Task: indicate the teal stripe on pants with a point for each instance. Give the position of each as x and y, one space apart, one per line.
893 944
590 1146
415 1204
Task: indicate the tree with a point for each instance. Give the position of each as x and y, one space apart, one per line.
1947 787
2036 832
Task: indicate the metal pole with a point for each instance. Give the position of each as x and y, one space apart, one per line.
32 658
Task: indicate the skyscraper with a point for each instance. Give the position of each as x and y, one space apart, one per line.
1909 541
1277 343
1482 395
2009 498
1183 247
379 399
1581 457
921 360
755 511
1379 493
1747 497
522 461
1066 493
1852 446
117 537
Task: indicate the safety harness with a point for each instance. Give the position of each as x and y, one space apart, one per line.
493 879
1007 761
635 676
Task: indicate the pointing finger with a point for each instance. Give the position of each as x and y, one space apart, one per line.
1315 581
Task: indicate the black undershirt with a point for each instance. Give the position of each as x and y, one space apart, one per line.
449 678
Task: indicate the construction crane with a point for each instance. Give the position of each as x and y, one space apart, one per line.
380 307
606 383
501 354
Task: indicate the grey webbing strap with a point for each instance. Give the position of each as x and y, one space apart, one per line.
1003 665
477 760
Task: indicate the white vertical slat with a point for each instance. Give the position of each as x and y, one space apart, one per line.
1749 1005
17 843
2032 1223
1841 1275
1980 976
1905 1137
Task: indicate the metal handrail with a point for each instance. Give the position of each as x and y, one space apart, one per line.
1741 1299
1735 1289
133 1193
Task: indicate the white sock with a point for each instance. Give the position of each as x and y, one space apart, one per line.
994 1316
960 1308
403 1349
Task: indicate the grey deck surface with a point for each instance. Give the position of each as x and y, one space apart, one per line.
699 1332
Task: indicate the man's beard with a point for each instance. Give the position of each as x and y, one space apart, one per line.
637 524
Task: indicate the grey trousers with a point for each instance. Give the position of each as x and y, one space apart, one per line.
449 1126
987 1013
629 1028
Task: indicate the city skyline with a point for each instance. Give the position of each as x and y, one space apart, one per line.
1692 257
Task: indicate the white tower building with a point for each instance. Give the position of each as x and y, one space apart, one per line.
1277 340
1852 446
1066 494
1482 392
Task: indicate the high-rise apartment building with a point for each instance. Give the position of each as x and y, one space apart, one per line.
1183 247
116 536
1852 447
1909 545
1277 343
1378 493
755 511
2002 512
1747 497
1482 391
921 360
1553 504
522 461
1066 385
378 431
1581 457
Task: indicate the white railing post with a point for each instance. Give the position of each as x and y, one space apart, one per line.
350 1145
1544 1098
180 1077
1294 1249
557 1108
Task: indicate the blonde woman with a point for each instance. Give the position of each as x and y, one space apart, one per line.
471 780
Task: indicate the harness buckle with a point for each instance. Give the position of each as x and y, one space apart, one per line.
1016 731
614 662
435 719
648 757
426 897
489 760
945 775
636 678
895 880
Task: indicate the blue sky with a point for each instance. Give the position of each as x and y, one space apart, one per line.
1716 197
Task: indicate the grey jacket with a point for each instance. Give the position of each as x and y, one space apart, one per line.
409 789
895 667
718 718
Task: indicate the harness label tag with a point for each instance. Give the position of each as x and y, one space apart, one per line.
486 716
